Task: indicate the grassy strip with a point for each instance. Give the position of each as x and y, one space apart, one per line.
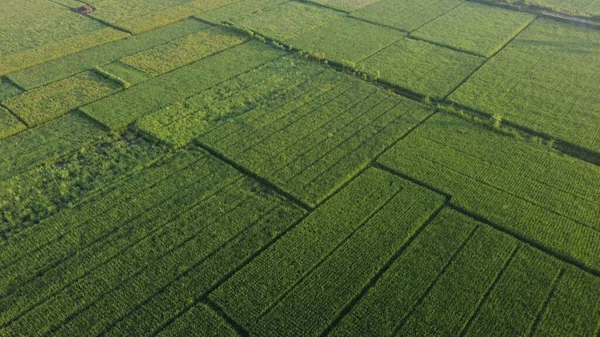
259 285
121 109
306 310
129 73
32 196
69 65
112 77
522 187
418 267
475 28
41 105
180 52
9 124
45 143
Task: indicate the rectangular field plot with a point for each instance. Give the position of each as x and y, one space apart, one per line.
475 28
137 16
345 5
346 39
422 67
287 20
190 218
586 8
406 15
545 80
338 247
39 30
35 146
58 98
461 278
123 108
69 65
541 196
311 144
180 52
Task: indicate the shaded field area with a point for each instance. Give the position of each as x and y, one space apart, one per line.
298 168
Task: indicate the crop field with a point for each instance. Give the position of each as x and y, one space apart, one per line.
546 80
252 168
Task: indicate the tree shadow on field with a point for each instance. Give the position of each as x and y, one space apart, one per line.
564 46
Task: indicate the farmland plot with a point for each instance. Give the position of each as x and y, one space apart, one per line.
8 89
287 20
312 144
180 52
50 140
40 191
475 28
338 247
54 70
586 8
346 39
406 15
138 16
422 67
525 188
39 30
459 277
186 215
58 98
545 80
119 110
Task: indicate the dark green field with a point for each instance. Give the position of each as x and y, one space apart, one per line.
300 168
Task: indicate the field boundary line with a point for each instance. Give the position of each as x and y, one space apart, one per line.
544 307
445 99
125 248
105 23
446 46
386 266
330 253
488 291
572 150
85 200
241 331
411 179
463 3
228 275
251 174
537 245
588 22
432 284
176 277
316 4
27 126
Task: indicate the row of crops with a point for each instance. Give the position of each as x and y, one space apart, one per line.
175 177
